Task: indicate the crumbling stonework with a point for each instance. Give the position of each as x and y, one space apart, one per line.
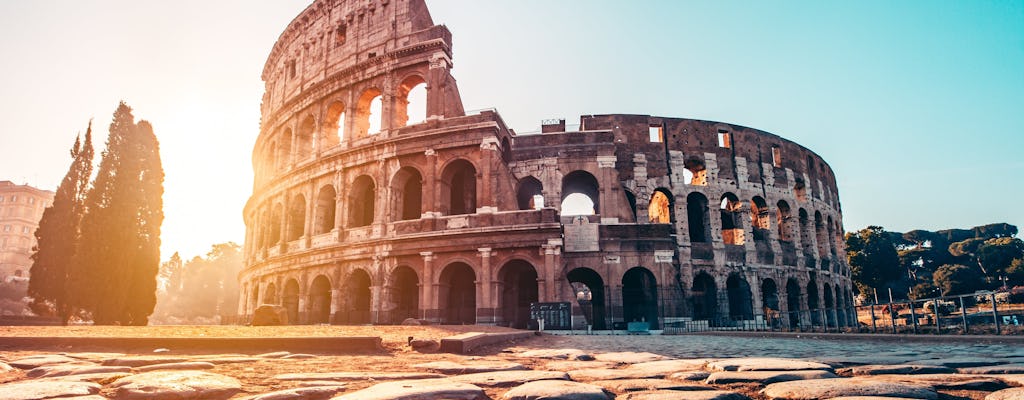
457 219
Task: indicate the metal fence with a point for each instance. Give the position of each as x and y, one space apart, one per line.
980 313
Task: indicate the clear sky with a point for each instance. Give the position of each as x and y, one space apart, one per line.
918 106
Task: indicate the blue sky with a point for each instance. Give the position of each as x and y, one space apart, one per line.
916 105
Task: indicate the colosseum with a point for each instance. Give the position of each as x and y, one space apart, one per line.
370 208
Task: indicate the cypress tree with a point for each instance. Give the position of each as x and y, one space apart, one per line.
120 245
58 234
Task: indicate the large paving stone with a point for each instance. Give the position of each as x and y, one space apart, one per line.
175 385
845 361
182 366
298 357
679 395
963 362
92 355
356 376
766 377
574 365
72 369
633 385
508 378
33 390
689 376
138 361
6 368
424 389
229 359
667 367
1016 393
449 367
941 381
37 361
303 393
899 369
995 369
629 357
101 379
276 354
557 354
765 364
556 390
601 374
828 388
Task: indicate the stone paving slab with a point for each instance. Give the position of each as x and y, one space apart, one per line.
472 367
599 374
304 393
344 376
37 361
678 395
95 378
667 367
72 369
562 390
1007 394
765 364
33 390
138 361
963 362
828 388
424 389
898 369
175 385
629 357
508 378
941 381
181 366
633 385
689 376
995 369
575 365
765 377
557 354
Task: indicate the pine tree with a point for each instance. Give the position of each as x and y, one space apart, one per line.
58 234
120 245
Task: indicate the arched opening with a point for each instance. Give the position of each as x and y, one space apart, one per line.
275 224
404 294
631 200
589 289
518 289
732 227
529 195
320 300
770 301
830 304
695 173
704 298
740 300
334 126
356 298
800 189
325 208
411 102
284 150
361 202
407 190
785 218
659 211
368 113
457 296
812 302
640 296
304 139
458 188
759 220
793 302
296 218
270 294
806 236
831 240
580 194
254 297
821 237
697 218
290 301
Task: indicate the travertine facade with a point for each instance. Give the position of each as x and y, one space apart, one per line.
458 219
21 207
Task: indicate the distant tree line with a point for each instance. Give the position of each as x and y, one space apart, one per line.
921 264
98 244
201 289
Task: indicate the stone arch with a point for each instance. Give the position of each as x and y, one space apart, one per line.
821 237
412 90
284 150
806 232
732 226
580 183
785 217
529 194
458 188
759 220
812 302
275 224
363 125
831 240
270 294
362 196
518 280
793 302
830 317
356 298
589 289
334 124
740 299
403 294
457 294
320 300
254 296
326 205
697 218
640 296
631 201
704 298
296 218
800 189
770 300
695 172
304 138
659 211
290 300
407 192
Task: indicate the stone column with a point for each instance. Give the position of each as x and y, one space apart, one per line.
552 259
486 196
485 309
430 193
428 299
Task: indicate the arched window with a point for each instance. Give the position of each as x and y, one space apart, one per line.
361 202
284 151
580 194
403 293
356 296
296 218
793 302
411 102
334 126
732 228
407 189
457 295
529 194
275 224
697 218
640 296
304 139
695 173
458 188
589 289
320 300
368 112
704 298
800 189
759 219
290 301
740 306
325 208
659 211
820 235
785 218
518 280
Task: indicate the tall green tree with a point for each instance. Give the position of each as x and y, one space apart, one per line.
954 279
58 235
119 249
872 257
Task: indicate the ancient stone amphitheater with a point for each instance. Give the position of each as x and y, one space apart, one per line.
360 215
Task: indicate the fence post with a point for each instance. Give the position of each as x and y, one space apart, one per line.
892 316
995 312
913 315
938 317
963 314
874 325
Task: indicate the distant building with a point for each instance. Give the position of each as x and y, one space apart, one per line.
21 207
